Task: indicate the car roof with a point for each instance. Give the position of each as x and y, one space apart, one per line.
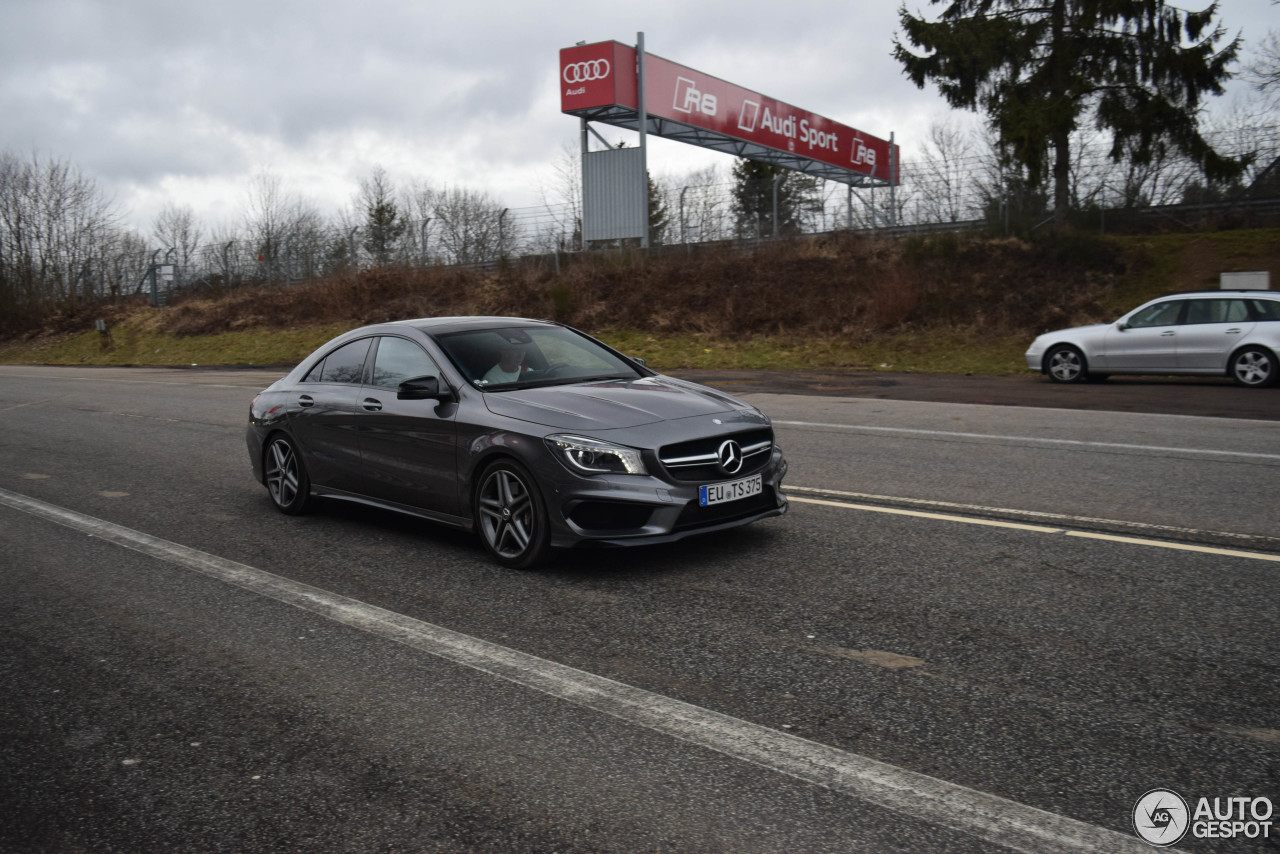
1220 291
435 325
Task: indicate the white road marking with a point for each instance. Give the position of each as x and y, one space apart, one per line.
1040 529
998 821
1030 514
102 379
1037 440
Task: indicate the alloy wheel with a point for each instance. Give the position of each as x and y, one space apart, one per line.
1065 365
1253 368
282 473
508 514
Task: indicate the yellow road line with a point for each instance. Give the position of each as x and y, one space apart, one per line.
1040 529
1186 547
1017 526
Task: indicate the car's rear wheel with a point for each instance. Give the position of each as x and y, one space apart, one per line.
1254 367
286 476
511 517
1066 364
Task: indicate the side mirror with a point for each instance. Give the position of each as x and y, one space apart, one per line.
422 388
641 362
1121 325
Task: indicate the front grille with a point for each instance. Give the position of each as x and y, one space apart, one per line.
697 461
694 516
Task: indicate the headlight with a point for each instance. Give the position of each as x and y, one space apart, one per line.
592 456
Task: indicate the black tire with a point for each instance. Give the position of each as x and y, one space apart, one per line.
1065 364
1254 367
510 515
286 476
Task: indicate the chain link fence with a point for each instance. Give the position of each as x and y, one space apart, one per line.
948 190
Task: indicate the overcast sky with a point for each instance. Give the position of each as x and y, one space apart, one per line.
182 102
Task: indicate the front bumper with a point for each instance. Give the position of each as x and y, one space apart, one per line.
628 510
1035 356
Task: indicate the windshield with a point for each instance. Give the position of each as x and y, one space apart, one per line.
523 357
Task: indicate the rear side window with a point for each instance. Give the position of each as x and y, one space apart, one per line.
1217 311
1266 309
346 364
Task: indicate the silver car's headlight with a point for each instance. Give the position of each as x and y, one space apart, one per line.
592 456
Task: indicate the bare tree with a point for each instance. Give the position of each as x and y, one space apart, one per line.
54 225
700 203
175 227
1264 70
274 220
466 226
943 173
563 198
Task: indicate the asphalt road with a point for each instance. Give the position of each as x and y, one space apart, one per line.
1028 616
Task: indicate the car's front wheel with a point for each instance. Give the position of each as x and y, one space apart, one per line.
511 517
1066 364
286 476
1254 367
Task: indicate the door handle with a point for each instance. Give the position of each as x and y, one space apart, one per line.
306 400
372 404
1233 331
1168 334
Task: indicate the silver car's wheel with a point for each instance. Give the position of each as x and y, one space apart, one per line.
286 476
510 516
1253 367
1065 365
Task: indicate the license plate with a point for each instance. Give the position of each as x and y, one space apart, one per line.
719 493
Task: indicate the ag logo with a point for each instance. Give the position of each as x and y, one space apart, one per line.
1161 818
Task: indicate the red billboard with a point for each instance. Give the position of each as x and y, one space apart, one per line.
598 76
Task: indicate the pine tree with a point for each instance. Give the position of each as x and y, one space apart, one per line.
384 224
753 198
1039 69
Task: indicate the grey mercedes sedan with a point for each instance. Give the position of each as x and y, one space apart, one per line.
530 433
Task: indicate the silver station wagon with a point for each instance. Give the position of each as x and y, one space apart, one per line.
1210 333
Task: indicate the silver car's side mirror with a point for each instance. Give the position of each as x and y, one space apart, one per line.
1121 325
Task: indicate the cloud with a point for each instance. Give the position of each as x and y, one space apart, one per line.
148 95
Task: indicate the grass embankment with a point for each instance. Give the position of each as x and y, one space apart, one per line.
946 303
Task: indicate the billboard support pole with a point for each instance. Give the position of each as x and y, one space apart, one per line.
644 148
893 174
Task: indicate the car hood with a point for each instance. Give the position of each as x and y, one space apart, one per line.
1075 332
611 404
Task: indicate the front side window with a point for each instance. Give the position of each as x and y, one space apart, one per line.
346 364
398 360
1160 314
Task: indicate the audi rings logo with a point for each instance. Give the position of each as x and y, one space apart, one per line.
730 457
583 72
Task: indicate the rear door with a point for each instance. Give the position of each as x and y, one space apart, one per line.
323 416
1211 329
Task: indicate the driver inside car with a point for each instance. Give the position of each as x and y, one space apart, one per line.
508 368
